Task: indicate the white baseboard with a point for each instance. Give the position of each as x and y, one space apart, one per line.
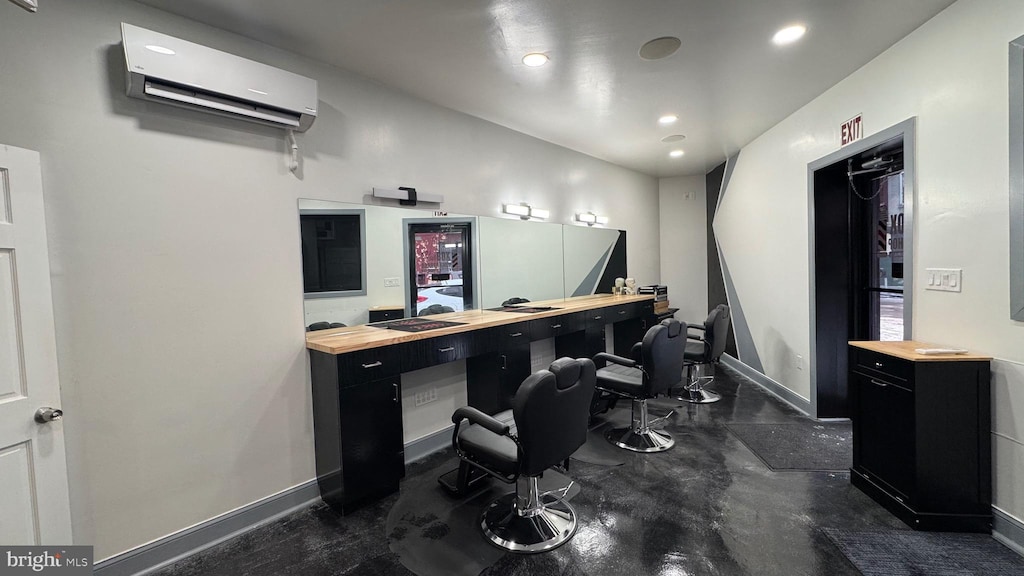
785 394
1008 530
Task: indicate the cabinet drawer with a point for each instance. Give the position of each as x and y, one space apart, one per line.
621 312
511 335
433 351
555 326
882 366
371 364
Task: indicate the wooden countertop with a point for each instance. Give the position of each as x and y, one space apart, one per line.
905 349
350 339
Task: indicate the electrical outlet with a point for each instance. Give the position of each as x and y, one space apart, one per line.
798 362
392 282
425 396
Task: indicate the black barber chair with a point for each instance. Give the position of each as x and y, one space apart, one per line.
324 326
435 309
514 300
655 370
703 351
548 424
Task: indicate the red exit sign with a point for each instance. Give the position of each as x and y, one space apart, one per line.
852 130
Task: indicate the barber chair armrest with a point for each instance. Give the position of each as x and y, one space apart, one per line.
615 359
695 327
477 417
634 352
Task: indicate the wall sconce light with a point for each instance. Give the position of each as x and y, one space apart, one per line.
589 218
524 211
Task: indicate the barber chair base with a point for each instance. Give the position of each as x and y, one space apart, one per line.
699 396
650 441
549 526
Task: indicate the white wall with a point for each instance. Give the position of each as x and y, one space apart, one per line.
952 75
684 243
174 249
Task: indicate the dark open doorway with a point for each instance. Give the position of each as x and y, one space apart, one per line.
861 221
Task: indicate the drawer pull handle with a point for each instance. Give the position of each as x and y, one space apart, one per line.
396 392
448 349
556 326
877 383
597 317
878 364
621 312
515 335
374 364
504 362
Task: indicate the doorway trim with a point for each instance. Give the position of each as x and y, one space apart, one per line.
907 129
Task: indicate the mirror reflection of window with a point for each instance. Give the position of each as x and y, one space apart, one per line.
441 267
333 253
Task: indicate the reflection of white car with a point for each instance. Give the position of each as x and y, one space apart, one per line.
450 296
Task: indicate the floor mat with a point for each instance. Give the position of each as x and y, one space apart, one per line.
802 445
908 553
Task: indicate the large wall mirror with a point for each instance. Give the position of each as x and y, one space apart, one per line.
1017 179
372 263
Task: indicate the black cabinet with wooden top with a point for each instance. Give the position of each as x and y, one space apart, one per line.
922 434
356 378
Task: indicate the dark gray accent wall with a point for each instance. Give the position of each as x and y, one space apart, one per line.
616 267
716 279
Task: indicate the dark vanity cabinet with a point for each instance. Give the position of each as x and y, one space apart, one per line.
357 388
357 428
505 368
922 434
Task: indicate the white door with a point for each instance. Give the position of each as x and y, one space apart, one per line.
34 506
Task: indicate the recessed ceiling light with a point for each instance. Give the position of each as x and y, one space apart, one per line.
673 138
676 153
159 49
789 34
668 119
535 59
660 48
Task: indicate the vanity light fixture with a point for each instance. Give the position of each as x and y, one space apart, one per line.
407 196
589 218
524 211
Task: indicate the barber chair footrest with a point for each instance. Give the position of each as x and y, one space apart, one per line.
553 525
652 441
699 396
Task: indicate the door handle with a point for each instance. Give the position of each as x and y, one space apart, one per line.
47 414
396 392
373 364
448 349
504 362
878 383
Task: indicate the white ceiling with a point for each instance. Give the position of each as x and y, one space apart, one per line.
727 83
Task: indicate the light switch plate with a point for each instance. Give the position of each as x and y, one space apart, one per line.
944 279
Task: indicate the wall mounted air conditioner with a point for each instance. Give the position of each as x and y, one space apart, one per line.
165 69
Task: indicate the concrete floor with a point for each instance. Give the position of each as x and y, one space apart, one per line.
709 506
